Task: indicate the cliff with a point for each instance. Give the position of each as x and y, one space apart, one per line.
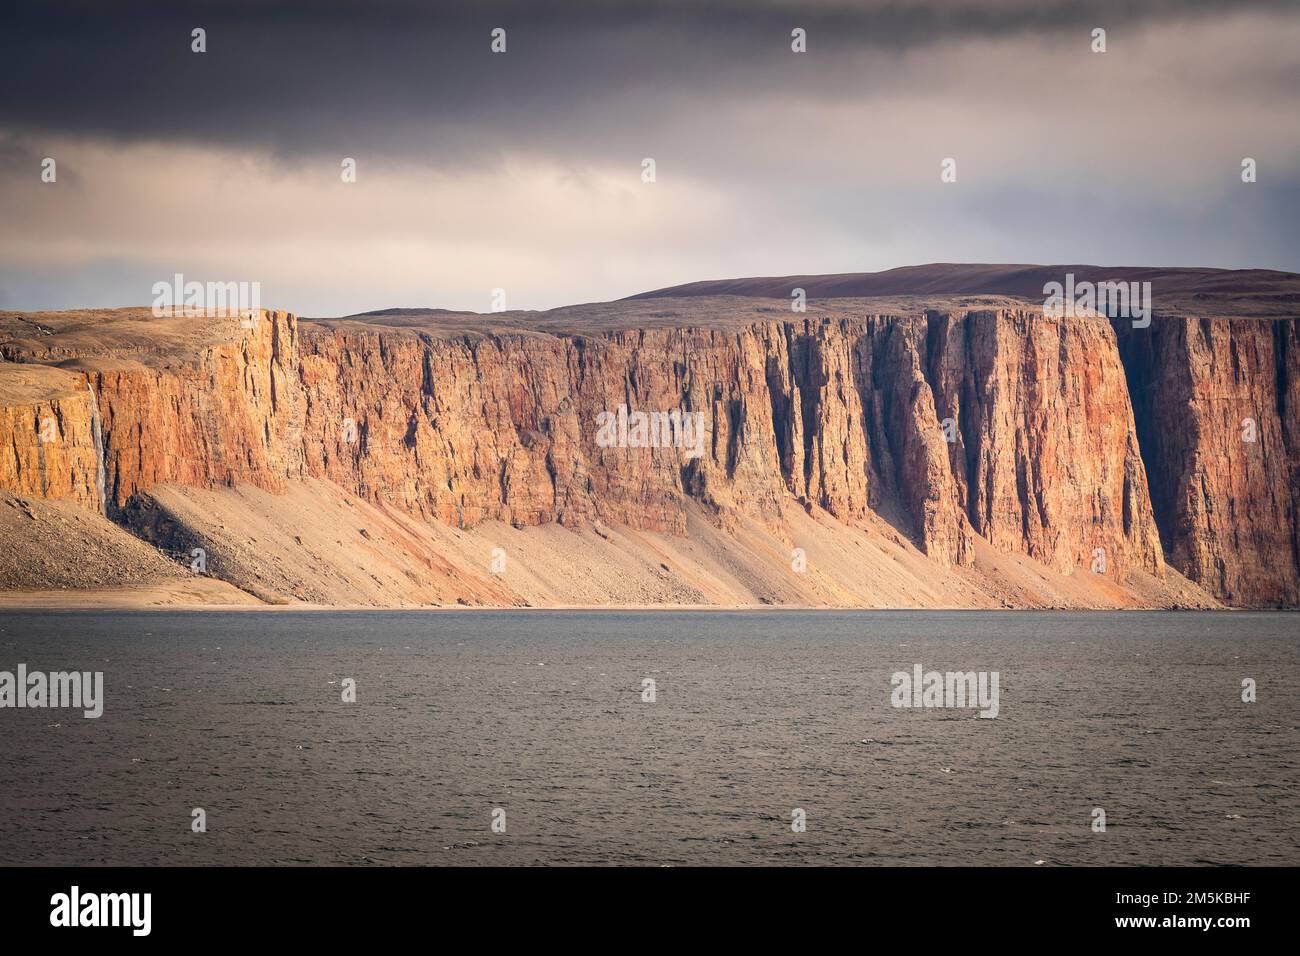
1218 418
841 414
971 429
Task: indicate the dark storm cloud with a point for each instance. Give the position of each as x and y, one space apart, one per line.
419 79
524 171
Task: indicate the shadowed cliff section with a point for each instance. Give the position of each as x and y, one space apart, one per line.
1216 410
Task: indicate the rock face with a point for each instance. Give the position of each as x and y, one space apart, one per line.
1046 459
1218 416
50 441
231 413
950 424
1043 457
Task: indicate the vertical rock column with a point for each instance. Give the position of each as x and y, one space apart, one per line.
1218 414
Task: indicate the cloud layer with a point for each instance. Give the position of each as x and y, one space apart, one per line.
523 170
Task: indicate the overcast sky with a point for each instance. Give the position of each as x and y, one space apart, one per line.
523 170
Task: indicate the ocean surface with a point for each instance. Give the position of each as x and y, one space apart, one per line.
541 715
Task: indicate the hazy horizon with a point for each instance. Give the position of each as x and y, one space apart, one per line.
644 293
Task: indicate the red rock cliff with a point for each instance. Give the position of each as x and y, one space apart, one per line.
949 424
1218 416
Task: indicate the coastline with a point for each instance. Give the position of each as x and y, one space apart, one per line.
18 602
